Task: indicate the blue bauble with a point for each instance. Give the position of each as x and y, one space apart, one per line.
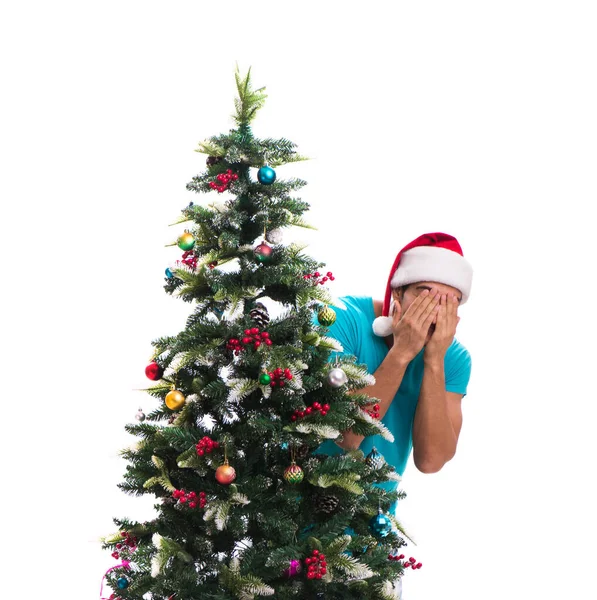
284 446
374 459
266 175
169 274
380 525
122 583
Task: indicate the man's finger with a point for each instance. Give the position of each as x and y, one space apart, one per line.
421 315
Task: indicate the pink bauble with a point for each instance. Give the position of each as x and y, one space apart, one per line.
294 569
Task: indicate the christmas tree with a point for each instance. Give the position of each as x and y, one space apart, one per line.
246 507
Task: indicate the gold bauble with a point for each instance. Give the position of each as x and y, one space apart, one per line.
174 400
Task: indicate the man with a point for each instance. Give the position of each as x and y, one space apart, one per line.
407 342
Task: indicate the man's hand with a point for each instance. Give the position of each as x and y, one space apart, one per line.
410 330
445 328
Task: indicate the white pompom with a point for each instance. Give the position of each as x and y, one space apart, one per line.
382 326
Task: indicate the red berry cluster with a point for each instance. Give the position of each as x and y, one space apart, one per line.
224 180
279 377
189 259
373 413
128 545
206 446
301 414
252 336
318 279
191 497
410 563
316 565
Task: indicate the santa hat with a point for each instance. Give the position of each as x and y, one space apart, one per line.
431 257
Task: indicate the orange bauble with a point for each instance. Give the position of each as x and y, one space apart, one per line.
225 474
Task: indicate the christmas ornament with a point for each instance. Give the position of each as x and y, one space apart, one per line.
295 568
380 525
260 315
266 175
174 399
212 265
263 252
186 241
154 371
373 413
190 499
294 474
213 160
430 257
223 181
274 236
264 379
189 259
206 446
316 565
326 504
326 316
122 583
336 377
169 273
317 278
315 407
225 474
374 459
279 377
140 416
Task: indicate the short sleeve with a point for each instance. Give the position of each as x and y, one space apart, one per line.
457 367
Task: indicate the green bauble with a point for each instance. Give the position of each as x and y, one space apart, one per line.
186 241
294 474
264 379
326 316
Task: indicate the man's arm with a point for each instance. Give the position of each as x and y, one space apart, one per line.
437 422
438 418
388 378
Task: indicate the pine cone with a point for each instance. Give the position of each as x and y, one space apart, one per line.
213 160
302 451
260 315
326 504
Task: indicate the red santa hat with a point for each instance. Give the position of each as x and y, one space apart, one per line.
431 257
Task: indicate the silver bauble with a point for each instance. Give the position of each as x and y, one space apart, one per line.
140 416
337 378
274 236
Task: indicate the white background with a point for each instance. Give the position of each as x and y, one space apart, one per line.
473 118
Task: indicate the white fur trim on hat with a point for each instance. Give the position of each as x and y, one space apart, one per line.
431 263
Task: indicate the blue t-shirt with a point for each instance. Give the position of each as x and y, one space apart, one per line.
353 329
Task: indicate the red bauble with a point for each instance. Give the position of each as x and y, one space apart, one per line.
263 252
154 371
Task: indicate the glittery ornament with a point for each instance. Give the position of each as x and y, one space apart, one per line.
326 316
186 241
225 474
154 371
294 474
140 416
263 252
380 525
175 400
337 378
374 459
295 568
274 236
266 175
